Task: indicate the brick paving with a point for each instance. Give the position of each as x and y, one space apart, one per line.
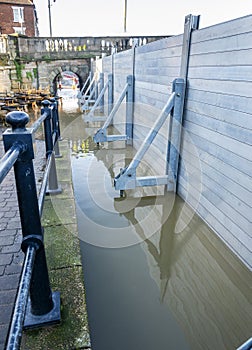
11 256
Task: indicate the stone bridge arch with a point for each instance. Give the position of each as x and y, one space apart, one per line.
49 71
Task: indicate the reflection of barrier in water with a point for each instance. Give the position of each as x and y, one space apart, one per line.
197 275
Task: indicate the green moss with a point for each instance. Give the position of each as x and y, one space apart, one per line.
19 67
35 72
72 333
29 75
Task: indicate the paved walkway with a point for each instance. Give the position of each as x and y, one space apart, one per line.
11 256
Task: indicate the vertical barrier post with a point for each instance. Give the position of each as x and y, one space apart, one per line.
129 109
100 89
110 93
175 125
53 187
97 90
42 303
191 23
174 138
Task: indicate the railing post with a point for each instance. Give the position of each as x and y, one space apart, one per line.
47 126
41 300
57 117
53 186
55 126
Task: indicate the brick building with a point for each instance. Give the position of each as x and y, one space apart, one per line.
18 16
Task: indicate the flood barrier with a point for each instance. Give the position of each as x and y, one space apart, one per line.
214 172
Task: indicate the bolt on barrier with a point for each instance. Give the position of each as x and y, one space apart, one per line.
35 304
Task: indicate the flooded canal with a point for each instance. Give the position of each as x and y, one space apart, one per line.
156 277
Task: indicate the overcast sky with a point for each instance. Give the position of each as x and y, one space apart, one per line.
144 17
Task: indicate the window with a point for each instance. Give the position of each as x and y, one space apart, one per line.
19 30
18 14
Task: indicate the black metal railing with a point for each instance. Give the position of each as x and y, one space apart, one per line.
35 304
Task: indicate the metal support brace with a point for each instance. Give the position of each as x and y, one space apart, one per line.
85 107
84 97
101 87
247 345
127 179
110 93
85 84
101 134
100 101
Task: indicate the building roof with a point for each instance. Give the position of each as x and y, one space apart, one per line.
17 2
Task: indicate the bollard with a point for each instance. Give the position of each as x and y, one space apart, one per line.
53 186
44 307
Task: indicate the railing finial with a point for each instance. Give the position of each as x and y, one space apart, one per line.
17 120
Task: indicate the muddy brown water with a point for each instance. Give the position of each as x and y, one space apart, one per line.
156 276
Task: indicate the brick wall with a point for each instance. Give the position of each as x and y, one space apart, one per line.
7 23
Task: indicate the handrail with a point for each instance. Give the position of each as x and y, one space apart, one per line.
44 184
18 144
38 122
21 300
9 159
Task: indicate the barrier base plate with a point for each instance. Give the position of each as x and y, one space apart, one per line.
53 317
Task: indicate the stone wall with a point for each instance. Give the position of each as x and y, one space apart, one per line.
39 75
